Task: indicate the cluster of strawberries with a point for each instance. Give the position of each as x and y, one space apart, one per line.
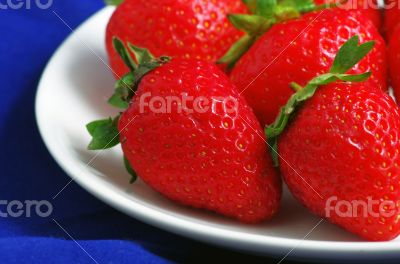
220 98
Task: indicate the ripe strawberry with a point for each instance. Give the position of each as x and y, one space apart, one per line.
265 14
204 149
392 17
394 62
347 157
369 8
298 50
186 29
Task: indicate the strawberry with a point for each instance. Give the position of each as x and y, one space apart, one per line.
298 50
347 159
195 29
394 62
369 8
204 149
392 17
266 13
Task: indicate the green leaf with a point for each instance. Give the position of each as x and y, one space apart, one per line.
302 6
251 5
291 9
354 78
119 98
284 13
266 8
146 67
124 91
237 50
104 133
350 54
124 53
128 167
323 79
113 2
253 25
142 55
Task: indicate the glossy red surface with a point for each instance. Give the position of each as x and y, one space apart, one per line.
392 17
394 62
197 29
344 142
299 50
369 8
211 156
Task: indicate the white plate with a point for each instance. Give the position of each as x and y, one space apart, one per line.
73 91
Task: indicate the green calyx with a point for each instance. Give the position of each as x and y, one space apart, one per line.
264 14
105 132
113 2
105 135
348 56
126 87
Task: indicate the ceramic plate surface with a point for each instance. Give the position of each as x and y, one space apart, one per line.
74 90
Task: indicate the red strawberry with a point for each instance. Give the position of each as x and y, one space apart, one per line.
204 149
186 29
392 17
265 14
347 159
298 50
394 62
369 8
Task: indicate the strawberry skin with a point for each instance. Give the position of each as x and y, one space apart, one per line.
394 62
195 29
369 8
392 17
297 50
216 160
349 149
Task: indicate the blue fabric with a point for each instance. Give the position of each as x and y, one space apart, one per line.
28 39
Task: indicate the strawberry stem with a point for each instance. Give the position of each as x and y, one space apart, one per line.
295 86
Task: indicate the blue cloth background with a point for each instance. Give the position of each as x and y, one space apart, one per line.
28 172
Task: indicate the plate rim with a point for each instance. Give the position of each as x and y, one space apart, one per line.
252 243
